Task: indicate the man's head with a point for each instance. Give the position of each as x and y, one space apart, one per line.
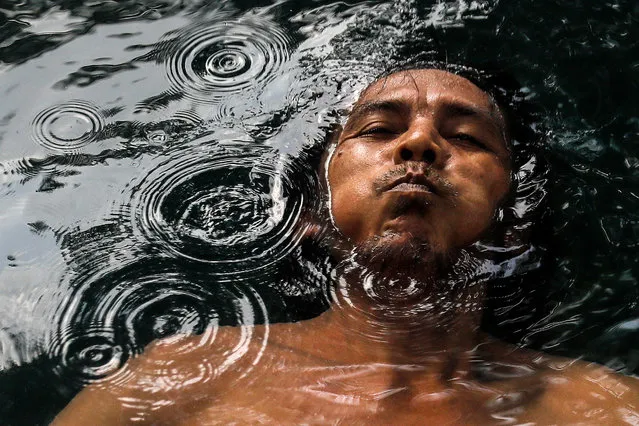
422 162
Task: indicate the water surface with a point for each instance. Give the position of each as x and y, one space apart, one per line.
153 179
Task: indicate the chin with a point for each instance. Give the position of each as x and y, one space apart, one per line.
400 254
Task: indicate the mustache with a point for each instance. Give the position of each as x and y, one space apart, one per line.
440 185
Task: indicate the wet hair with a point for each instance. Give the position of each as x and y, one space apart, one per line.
517 239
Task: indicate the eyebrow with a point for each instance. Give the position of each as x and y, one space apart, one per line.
366 108
457 109
492 115
452 108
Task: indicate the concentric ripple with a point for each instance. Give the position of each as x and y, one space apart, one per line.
213 60
67 127
231 206
114 315
87 355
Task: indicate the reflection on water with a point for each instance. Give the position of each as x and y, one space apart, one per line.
67 127
143 302
226 203
158 179
207 61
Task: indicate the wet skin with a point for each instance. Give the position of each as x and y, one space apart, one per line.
449 137
423 157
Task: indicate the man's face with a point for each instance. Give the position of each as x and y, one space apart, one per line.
423 157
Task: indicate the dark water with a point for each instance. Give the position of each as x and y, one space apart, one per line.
153 178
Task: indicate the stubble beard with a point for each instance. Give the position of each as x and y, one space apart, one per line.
403 287
401 269
405 276
397 254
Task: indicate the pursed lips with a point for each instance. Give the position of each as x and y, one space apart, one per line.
414 177
411 182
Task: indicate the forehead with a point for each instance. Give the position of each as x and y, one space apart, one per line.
428 85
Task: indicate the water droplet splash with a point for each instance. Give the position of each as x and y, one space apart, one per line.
231 206
115 315
67 127
212 60
89 354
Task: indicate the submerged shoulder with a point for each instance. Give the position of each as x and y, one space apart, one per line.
213 353
565 374
572 390
578 390
165 378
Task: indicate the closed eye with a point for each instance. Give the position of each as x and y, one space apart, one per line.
465 137
378 130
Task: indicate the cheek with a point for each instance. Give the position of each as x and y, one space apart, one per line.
481 190
350 186
352 167
347 204
486 181
498 186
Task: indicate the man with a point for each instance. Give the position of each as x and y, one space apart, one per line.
417 173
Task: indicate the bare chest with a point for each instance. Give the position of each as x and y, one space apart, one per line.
365 394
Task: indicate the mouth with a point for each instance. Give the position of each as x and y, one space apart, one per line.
411 182
410 187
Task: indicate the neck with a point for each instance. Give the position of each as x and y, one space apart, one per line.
399 320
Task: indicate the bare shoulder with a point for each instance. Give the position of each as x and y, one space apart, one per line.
166 378
578 391
573 379
572 391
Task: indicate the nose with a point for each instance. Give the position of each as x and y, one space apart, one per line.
419 144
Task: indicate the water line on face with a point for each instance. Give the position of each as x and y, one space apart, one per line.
385 309
327 163
278 207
